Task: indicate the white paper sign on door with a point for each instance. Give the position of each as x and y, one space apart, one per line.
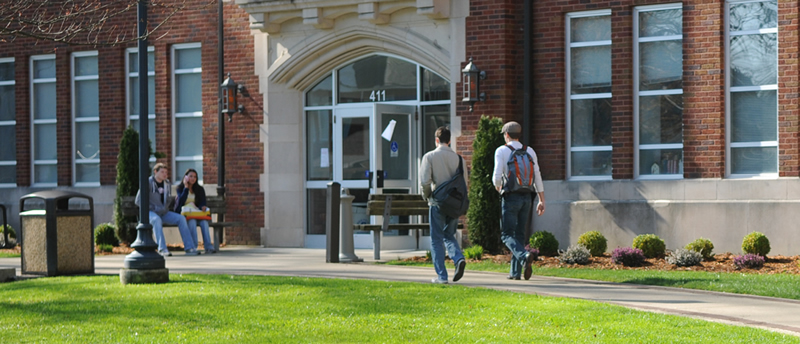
389 131
324 161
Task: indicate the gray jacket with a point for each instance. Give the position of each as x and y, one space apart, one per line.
156 205
438 166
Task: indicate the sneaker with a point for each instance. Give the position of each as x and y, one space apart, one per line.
438 281
516 278
165 253
210 251
192 252
459 270
528 269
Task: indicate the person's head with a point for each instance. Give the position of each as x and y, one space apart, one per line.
443 136
160 172
513 130
191 177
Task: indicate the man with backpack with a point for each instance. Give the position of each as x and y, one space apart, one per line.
438 167
518 180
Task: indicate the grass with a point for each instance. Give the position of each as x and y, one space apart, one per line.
9 255
785 286
250 309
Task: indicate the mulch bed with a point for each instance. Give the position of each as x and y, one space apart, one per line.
720 263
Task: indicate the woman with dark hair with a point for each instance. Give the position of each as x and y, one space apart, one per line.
192 194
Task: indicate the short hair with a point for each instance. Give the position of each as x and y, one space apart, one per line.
159 166
443 134
514 136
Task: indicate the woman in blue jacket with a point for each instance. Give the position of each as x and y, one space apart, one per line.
190 193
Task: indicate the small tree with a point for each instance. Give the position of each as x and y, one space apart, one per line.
483 216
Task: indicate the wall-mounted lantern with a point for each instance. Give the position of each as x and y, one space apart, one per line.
471 84
229 90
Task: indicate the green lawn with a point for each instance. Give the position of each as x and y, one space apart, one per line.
258 309
9 255
785 286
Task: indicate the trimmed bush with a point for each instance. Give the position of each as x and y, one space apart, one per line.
474 252
12 235
651 245
703 246
594 241
484 201
684 257
105 234
627 256
545 242
750 261
756 243
105 248
575 254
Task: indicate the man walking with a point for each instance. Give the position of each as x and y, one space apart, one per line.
438 166
516 201
159 196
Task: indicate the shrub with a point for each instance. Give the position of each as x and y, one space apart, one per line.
12 235
594 241
756 243
484 202
474 252
627 256
702 245
128 181
545 242
105 248
428 256
104 234
532 251
575 254
684 257
651 245
750 260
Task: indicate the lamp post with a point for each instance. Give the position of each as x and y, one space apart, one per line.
471 84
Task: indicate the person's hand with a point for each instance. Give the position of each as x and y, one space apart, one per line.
204 208
540 208
186 181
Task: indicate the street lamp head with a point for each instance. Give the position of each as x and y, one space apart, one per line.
229 90
471 84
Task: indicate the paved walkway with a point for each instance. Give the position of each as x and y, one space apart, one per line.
770 313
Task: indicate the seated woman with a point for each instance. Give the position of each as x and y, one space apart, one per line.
189 193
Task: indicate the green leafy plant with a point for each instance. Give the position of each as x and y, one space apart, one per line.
545 242
702 245
12 235
651 245
428 256
575 254
484 201
474 252
594 241
105 234
756 243
105 248
684 257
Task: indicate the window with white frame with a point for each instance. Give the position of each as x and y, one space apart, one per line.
658 98
8 124
44 171
187 138
86 117
132 86
751 101
588 55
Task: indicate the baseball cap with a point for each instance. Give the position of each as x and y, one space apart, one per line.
511 127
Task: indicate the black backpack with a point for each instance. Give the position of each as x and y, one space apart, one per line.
451 196
520 178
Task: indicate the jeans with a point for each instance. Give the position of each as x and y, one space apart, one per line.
443 230
516 209
203 230
170 218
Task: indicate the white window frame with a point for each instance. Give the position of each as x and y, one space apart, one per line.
34 122
128 76
75 120
638 147
729 89
176 115
12 123
570 97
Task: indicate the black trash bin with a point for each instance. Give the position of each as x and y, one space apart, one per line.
56 235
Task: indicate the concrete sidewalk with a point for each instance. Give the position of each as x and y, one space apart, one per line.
770 313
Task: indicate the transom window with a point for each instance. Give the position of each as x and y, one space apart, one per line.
8 124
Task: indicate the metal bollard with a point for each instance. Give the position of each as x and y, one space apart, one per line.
347 253
332 222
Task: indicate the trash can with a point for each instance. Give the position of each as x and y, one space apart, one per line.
56 235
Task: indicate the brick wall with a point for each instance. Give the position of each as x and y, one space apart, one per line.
198 23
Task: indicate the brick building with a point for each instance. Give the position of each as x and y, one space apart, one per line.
673 118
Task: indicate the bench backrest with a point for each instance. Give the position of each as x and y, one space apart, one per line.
217 205
402 204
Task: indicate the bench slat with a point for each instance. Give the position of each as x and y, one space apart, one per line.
396 197
397 226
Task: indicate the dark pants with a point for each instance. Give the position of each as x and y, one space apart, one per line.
516 210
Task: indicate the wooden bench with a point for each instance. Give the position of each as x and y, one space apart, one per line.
388 205
217 205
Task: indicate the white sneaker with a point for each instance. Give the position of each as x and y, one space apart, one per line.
438 281
165 253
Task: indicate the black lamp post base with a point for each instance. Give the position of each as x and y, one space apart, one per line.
143 276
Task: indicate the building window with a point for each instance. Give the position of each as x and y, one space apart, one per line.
187 108
588 55
86 117
751 102
8 124
132 86
658 98
44 171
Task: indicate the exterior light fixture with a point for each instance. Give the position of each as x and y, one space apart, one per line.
471 84
229 90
